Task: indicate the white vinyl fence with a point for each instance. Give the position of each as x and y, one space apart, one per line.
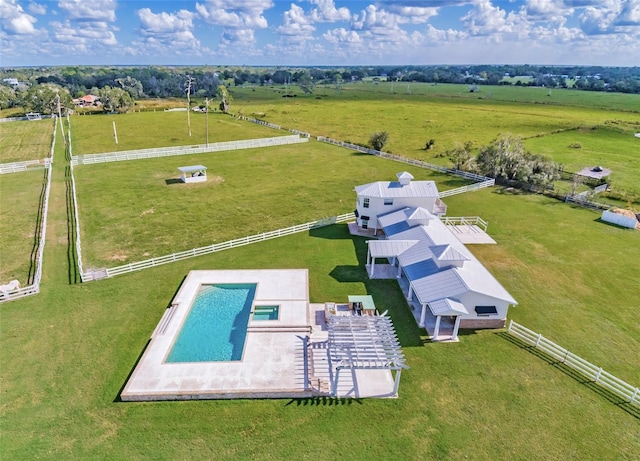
19 167
185 150
149 263
483 181
34 288
596 374
583 201
75 206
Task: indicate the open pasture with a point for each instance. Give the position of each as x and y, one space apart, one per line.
484 398
142 130
25 140
20 195
143 211
67 352
606 124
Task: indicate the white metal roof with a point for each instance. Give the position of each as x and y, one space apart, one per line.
389 248
447 306
437 243
192 168
393 189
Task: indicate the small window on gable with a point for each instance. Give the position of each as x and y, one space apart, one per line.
388 201
365 203
486 310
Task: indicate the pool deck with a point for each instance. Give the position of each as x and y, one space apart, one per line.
284 358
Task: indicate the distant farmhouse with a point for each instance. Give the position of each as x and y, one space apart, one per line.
445 285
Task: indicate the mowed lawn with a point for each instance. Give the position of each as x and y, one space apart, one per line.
25 140
20 200
143 130
67 353
134 210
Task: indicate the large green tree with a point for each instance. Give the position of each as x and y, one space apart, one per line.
43 98
115 99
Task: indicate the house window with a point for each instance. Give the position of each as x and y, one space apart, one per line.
388 201
365 203
485 311
365 222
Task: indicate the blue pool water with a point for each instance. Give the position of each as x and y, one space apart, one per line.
216 326
266 313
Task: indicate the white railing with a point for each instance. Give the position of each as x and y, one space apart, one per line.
34 288
259 122
19 167
186 150
464 221
596 374
484 180
469 188
18 119
148 263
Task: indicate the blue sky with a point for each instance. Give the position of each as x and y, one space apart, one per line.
319 32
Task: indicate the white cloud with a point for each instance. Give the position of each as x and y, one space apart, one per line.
14 20
341 35
484 19
439 36
238 36
75 40
37 8
89 10
167 33
235 13
164 23
296 24
327 12
411 11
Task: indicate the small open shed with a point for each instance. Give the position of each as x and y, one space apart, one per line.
193 173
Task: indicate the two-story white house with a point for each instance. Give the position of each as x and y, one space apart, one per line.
381 197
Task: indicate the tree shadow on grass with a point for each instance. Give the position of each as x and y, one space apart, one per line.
630 408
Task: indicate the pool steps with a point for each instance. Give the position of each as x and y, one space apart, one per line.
165 320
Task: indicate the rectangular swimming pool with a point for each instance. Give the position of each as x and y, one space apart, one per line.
215 328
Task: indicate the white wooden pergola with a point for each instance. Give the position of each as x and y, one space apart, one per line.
366 343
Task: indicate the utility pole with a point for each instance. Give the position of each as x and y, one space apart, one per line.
190 81
60 117
206 123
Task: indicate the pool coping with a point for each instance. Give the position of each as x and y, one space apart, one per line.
273 362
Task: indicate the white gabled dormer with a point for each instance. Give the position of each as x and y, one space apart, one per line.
446 255
404 178
418 217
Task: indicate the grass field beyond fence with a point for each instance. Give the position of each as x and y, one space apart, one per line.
67 352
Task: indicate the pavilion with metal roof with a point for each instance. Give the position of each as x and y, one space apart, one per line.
363 343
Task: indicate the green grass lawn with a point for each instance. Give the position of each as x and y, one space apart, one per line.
25 140
448 115
67 352
142 211
20 195
141 130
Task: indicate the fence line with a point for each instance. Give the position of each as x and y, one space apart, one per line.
34 288
596 374
185 150
75 205
584 202
259 122
18 119
146 264
19 167
484 181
